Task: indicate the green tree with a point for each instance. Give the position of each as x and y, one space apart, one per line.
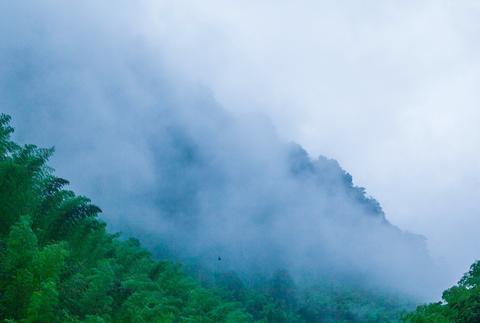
461 303
17 281
59 264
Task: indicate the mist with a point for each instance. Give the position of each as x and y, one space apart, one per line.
169 162
388 89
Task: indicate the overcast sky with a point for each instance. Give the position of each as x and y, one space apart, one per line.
389 88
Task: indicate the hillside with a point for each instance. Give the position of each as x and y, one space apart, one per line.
188 176
59 263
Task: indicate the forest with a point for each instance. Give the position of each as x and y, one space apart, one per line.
60 263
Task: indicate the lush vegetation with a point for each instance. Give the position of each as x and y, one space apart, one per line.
460 303
58 263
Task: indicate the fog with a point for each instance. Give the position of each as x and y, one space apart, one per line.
387 88
178 119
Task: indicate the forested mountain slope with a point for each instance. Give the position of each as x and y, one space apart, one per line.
263 231
185 175
59 264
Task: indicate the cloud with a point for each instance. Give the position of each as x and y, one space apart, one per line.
389 89
133 97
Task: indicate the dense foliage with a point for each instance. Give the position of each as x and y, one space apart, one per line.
59 264
460 303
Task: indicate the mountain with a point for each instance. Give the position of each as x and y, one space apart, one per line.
192 181
263 230
59 263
